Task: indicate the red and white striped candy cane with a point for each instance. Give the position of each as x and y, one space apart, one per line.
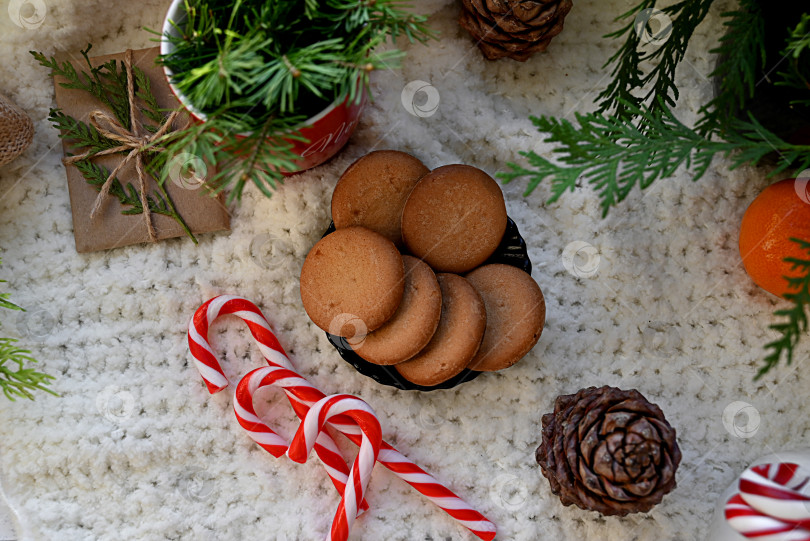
215 379
389 457
314 424
772 503
303 395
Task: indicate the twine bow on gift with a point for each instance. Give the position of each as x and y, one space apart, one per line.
133 141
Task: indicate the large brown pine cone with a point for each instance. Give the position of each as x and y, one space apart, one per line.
513 28
608 450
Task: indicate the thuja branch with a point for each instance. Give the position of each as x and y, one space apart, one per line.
613 156
658 84
794 323
108 83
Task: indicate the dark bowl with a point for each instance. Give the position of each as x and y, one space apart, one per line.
511 251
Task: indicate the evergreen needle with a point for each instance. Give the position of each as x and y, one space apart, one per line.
796 325
108 83
634 139
258 69
17 378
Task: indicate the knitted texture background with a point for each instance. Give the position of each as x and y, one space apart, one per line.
135 448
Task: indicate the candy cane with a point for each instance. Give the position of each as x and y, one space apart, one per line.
304 395
215 379
772 503
304 440
308 436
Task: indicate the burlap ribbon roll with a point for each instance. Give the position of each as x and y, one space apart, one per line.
16 130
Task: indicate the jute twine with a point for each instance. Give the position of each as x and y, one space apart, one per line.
133 141
16 130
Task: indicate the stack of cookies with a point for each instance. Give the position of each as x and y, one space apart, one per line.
403 277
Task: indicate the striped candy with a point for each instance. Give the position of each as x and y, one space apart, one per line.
215 379
304 396
773 503
314 424
269 440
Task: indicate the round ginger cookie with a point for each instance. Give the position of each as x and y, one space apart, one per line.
373 190
454 218
414 323
516 313
457 337
352 282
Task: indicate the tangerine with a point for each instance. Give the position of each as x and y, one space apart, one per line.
780 212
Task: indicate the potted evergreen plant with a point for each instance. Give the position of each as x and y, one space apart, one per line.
275 87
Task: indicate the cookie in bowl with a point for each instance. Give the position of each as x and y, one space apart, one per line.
516 314
373 190
457 337
454 218
414 323
352 282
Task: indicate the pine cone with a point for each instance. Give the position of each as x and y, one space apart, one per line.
16 130
513 28
608 450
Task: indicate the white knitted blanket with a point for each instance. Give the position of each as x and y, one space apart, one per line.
135 448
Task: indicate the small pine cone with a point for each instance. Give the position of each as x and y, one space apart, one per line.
16 130
608 450
513 28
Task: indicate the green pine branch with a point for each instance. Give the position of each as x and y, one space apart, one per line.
797 53
276 54
794 325
5 302
259 69
258 158
17 378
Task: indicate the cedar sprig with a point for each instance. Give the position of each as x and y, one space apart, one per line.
104 82
629 143
80 134
159 203
741 51
795 325
108 83
143 91
743 140
658 84
614 156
